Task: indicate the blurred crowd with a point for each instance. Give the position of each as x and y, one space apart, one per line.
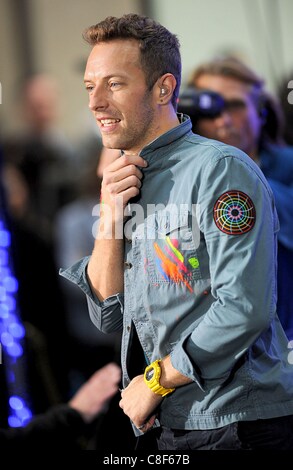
52 189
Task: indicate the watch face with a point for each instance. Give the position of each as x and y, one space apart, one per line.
149 374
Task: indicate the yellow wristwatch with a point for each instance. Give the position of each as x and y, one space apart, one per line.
152 376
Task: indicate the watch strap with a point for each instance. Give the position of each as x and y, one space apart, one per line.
154 382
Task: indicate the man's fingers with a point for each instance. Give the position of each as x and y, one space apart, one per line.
147 425
124 172
124 161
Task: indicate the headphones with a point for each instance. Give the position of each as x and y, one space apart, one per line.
163 91
200 103
262 107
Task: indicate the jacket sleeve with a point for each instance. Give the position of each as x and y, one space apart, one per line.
107 316
242 264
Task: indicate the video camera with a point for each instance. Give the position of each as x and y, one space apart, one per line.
200 104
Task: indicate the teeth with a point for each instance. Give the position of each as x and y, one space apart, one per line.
109 121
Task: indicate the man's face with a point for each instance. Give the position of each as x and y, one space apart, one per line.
240 123
123 107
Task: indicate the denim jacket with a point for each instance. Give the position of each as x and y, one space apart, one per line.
200 283
276 163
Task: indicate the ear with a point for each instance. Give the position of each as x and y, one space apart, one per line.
164 88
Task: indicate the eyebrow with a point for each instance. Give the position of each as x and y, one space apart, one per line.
112 75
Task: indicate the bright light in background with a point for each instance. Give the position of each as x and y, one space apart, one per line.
12 334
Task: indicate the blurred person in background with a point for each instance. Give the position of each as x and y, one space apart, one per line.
41 152
67 426
251 119
89 348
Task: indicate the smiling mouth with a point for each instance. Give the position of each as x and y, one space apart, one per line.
108 122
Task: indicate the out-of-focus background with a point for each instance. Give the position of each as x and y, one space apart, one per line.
45 36
52 160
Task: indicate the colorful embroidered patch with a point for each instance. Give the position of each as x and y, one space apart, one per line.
172 268
234 213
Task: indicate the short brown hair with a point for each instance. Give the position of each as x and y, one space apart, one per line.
228 66
159 48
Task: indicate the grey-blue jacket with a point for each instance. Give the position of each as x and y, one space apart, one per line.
200 283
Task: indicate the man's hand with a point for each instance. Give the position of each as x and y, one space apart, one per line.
92 397
122 181
139 403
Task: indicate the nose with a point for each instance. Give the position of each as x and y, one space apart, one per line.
98 99
224 119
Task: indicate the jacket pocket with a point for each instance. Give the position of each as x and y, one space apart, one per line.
171 255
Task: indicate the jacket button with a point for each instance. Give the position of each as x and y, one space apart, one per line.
127 265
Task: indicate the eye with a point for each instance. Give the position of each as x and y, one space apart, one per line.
235 105
89 88
114 85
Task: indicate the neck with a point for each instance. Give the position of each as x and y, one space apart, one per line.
166 122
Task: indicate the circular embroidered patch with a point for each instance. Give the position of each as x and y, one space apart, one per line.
234 213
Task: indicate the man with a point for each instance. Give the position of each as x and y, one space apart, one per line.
191 277
251 120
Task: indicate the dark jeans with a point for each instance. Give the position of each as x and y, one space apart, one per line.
274 433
